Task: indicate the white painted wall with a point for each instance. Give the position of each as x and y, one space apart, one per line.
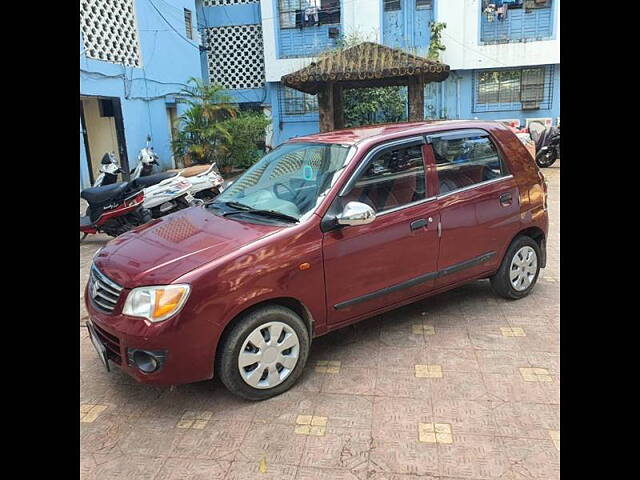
462 38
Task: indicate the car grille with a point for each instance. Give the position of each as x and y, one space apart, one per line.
103 292
111 343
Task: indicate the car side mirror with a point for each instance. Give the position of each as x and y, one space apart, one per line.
356 213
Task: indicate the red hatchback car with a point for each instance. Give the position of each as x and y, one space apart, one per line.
324 231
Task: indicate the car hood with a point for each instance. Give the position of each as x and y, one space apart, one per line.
159 252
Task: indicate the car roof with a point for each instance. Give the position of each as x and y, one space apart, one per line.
353 136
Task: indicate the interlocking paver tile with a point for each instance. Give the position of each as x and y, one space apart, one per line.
285 408
345 411
141 467
328 366
193 469
535 374
277 443
525 420
352 380
513 332
345 448
534 458
513 388
419 329
466 416
393 415
428 371
219 440
89 412
472 456
453 360
403 455
435 433
242 470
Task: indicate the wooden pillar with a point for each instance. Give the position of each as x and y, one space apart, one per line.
416 99
325 107
338 107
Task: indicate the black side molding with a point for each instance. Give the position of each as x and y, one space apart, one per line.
417 280
466 264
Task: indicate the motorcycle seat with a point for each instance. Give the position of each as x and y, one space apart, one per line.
144 182
104 192
193 171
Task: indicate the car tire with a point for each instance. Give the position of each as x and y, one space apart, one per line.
518 272
278 361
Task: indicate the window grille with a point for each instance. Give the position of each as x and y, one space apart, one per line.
295 102
391 5
188 26
109 31
513 89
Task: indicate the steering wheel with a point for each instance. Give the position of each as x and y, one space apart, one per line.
287 187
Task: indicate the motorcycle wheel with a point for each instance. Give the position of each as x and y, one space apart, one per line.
546 159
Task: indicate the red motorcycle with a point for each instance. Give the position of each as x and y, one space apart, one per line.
113 209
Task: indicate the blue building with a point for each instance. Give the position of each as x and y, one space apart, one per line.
135 57
504 54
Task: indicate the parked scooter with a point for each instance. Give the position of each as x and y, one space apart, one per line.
547 145
113 209
206 182
164 193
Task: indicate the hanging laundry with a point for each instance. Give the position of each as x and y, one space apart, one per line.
311 12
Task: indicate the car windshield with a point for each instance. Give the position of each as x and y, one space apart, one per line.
291 180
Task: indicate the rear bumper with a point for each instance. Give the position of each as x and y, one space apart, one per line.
188 356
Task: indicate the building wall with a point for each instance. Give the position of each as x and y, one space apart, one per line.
168 60
465 52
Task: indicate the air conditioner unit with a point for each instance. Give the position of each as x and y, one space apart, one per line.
530 105
546 121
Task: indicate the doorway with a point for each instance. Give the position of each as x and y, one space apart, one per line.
103 129
172 118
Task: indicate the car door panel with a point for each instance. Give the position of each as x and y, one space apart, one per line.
371 266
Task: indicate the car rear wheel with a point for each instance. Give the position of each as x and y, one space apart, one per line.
264 353
519 270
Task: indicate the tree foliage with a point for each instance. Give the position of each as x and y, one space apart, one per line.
364 106
203 136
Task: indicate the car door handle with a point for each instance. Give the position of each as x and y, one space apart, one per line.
418 224
506 199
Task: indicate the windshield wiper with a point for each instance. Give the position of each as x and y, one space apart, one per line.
265 213
242 208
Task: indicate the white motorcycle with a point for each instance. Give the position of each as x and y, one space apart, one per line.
206 182
164 193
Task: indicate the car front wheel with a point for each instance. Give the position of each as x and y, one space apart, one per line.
519 270
264 353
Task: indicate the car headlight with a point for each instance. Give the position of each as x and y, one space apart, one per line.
156 303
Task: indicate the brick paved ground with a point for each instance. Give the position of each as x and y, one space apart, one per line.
463 385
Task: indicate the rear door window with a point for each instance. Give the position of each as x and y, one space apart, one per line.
465 160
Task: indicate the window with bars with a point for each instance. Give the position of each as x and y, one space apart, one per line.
391 5
295 102
307 13
513 89
424 4
188 26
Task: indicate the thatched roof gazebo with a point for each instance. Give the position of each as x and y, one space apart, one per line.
365 65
